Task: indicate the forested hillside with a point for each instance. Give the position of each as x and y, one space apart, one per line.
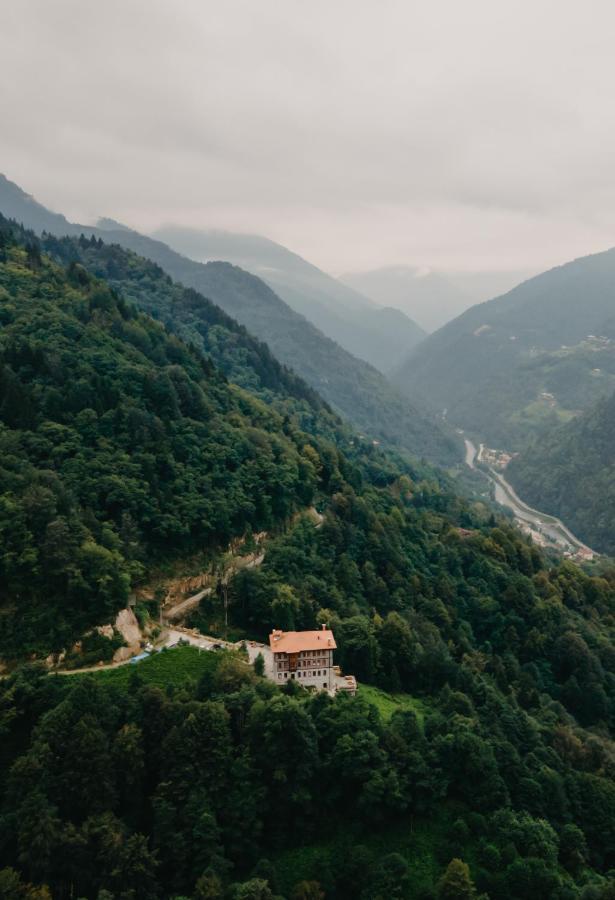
119 445
245 360
570 472
354 388
523 363
381 336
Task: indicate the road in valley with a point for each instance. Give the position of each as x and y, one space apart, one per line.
470 453
552 528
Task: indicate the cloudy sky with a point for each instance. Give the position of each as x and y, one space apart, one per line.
459 135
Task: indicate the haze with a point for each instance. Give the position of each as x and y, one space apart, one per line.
459 136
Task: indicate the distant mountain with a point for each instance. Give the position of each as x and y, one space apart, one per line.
352 387
431 298
382 337
516 366
570 472
482 286
16 204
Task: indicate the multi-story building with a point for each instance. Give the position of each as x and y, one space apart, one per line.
306 656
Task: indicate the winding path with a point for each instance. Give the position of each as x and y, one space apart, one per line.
506 495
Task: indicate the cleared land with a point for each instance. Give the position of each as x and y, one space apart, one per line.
174 666
387 703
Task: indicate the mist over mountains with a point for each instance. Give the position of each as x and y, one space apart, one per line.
516 365
353 387
431 297
382 337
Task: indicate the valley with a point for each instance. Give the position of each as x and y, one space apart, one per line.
307 451
545 530
142 462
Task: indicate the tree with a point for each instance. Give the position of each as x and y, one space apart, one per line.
255 889
259 665
307 890
13 888
572 848
456 883
208 887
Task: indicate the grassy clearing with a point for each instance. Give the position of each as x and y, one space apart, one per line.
174 666
387 704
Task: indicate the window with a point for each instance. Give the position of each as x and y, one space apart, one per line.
285 674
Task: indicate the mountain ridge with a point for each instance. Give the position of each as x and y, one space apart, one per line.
354 388
514 366
340 312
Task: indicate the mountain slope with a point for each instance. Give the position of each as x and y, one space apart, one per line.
382 337
16 204
120 446
352 387
245 360
517 365
570 472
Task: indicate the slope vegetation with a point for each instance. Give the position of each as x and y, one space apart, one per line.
121 445
355 389
522 363
570 472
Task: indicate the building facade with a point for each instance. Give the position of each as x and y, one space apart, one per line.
306 656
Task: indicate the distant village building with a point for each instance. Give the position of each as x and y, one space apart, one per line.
307 657
584 554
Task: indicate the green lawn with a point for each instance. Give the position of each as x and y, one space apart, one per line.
388 703
174 666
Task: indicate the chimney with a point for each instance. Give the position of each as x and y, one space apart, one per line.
324 627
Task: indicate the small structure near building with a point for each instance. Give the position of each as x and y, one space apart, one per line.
307 657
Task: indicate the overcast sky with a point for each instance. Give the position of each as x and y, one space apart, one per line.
459 134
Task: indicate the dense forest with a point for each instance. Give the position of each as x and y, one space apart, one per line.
122 444
355 389
521 364
570 472
119 443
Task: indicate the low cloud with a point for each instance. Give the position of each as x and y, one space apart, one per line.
456 135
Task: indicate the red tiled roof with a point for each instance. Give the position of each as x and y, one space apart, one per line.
296 641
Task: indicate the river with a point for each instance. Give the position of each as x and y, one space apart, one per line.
550 527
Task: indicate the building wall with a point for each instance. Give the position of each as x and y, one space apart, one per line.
311 668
